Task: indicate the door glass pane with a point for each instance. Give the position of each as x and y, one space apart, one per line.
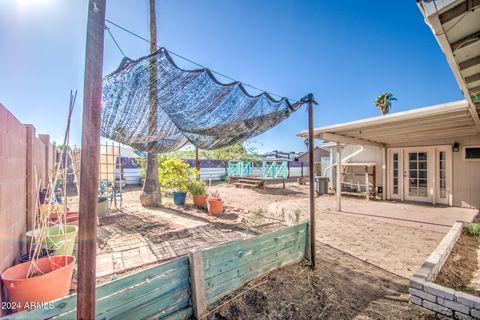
417 174
442 175
422 174
395 173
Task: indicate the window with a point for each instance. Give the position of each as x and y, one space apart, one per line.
395 173
472 153
442 159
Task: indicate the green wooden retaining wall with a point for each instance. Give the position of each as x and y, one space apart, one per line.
164 292
230 266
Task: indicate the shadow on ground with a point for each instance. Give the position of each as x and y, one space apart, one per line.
342 287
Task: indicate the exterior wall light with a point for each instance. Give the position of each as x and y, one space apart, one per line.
456 147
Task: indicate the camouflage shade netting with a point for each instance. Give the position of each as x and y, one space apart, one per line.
189 106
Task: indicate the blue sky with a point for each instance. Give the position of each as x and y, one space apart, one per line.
345 53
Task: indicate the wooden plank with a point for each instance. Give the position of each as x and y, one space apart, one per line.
197 276
69 303
229 256
151 293
249 256
137 293
242 249
252 255
348 140
59 306
171 302
142 276
185 313
311 182
90 158
241 244
228 287
243 269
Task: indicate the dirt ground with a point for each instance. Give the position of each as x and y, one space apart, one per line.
396 246
332 291
366 253
461 270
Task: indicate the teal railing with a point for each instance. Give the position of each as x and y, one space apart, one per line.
275 169
240 168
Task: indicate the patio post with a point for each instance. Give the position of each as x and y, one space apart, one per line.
384 173
338 188
311 175
90 160
197 163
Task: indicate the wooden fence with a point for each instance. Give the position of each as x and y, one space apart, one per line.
184 287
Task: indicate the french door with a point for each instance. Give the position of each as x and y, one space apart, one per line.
420 174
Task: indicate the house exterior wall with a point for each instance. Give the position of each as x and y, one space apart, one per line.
318 154
465 174
368 155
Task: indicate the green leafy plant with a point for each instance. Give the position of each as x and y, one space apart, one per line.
175 174
473 229
196 187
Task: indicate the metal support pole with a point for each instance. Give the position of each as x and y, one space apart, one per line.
197 163
384 173
311 103
90 159
338 180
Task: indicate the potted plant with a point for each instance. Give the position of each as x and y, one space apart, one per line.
59 238
197 189
44 280
102 206
215 204
45 275
175 174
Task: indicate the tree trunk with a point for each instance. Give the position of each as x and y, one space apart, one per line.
150 196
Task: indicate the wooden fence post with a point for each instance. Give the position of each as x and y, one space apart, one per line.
197 281
90 160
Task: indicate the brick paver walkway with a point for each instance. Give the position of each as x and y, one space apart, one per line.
128 240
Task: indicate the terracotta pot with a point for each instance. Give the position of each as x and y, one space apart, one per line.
53 284
215 206
200 200
71 219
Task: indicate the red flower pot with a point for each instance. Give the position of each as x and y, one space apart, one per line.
215 206
71 219
200 200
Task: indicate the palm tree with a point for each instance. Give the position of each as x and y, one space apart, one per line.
151 196
384 102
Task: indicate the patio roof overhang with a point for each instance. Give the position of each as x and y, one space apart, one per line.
435 122
456 26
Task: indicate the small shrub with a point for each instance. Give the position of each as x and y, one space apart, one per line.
175 174
215 195
473 229
196 187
